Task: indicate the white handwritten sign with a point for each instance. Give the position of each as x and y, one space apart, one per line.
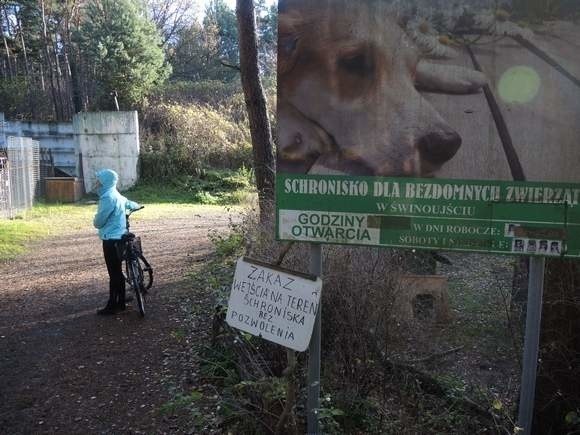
277 305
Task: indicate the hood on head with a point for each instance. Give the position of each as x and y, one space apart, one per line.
108 179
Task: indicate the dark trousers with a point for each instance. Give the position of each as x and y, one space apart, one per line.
115 269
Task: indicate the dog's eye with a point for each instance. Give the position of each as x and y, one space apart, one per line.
359 64
287 44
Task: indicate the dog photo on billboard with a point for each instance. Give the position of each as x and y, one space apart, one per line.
348 98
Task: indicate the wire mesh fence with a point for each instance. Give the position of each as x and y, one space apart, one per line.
5 195
19 175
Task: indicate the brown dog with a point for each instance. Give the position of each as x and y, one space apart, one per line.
347 101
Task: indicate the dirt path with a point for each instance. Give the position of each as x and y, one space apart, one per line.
63 369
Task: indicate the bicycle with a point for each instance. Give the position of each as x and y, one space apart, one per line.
136 265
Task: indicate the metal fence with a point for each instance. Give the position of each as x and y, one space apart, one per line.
19 175
5 195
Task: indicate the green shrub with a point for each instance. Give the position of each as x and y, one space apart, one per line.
191 126
212 187
212 92
180 401
20 102
186 139
215 93
228 245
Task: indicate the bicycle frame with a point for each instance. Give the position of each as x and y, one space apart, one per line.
133 257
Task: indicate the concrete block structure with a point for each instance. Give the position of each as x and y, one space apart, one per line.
108 140
104 139
56 136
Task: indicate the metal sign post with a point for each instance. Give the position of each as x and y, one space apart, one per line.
313 400
531 344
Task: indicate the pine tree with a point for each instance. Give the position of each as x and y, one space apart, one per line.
123 51
221 21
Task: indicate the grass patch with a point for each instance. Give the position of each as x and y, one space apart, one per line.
41 221
181 401
214 187
480 300
49 220
183 195
186 405
15 234
62 218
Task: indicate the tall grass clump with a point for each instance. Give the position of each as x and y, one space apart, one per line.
371 383
226 97
357 319
187 139
211 92
211 187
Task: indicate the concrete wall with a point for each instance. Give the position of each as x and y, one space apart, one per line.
105 139
58 136
108 140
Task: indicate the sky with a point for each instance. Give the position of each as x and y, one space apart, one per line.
232 3
201 5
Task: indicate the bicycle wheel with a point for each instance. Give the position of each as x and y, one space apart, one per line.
137 284
147 268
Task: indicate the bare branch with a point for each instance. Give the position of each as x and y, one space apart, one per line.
229 65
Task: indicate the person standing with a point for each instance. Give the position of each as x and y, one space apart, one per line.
111 222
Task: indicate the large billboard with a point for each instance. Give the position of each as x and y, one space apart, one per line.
419 124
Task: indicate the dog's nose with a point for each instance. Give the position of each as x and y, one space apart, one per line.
438 147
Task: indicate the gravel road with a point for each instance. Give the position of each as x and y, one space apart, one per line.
65 370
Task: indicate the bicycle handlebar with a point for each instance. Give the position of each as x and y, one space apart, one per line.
129 214
134 210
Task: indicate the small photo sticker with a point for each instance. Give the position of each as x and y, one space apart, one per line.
543 246
518 245
555 247
531 246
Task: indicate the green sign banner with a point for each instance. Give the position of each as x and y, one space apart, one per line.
524 218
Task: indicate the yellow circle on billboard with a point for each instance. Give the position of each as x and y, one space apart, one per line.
519 84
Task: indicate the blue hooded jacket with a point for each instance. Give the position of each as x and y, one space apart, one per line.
110 217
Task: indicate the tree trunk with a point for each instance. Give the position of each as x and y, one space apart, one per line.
73 59
42 82
47 52
10 74
29 80
264 164
76 88
7 50
26 67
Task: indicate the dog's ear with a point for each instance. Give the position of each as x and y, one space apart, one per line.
289 24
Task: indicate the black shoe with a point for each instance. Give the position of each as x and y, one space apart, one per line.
107 311
111 309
